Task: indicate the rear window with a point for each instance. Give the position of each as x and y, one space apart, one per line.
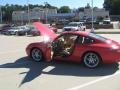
97 37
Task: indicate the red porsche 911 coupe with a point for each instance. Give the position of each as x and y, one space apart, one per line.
79 46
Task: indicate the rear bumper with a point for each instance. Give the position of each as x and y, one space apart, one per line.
112 57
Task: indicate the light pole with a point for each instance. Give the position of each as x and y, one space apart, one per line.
28 12
0 14
22 17
45 12
92 29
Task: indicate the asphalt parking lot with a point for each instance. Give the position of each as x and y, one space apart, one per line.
18 72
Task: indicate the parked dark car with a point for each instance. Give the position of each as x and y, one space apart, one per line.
33 31
11 31
4 28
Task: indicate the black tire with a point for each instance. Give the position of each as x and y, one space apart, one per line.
91 60
36 54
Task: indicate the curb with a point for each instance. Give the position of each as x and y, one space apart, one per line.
107 32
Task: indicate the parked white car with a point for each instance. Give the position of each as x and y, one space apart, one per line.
75 26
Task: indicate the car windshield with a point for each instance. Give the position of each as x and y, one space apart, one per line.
97 37
73 24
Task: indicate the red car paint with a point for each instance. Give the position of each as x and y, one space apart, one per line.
44 30
106 49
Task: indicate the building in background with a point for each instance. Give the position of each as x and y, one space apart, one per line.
97 13
61 16
51 15
35 14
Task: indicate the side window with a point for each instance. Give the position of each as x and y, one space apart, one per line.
80 39
88 40
84 40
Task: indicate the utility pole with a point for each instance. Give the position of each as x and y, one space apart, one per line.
22 17
45 12
92 29
0 14
28 12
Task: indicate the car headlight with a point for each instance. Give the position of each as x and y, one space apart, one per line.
114 47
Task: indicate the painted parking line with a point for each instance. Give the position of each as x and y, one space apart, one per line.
48 69
94 81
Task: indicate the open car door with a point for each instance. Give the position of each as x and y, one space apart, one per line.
49 53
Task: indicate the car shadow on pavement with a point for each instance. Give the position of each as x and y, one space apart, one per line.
61 68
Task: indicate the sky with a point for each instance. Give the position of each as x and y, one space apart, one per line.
58 3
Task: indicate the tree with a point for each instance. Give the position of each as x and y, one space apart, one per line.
64 9
87 6
113 6
81 9
8 9
47 5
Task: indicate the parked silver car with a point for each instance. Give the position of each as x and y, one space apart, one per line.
75 26
20 30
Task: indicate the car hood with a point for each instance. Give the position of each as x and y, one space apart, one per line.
46 32
73 27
